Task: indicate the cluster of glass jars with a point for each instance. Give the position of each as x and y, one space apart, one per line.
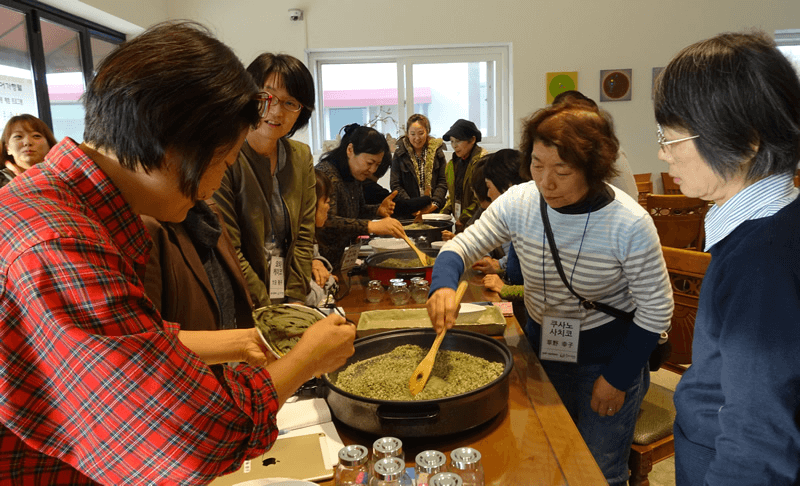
387 466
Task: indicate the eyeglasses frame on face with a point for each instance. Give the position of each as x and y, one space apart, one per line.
274 99
664 143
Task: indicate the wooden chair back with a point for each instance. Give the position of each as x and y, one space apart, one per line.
653 440
669 185
644 177
645 188
678 219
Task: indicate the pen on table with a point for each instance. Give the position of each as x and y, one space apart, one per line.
283 431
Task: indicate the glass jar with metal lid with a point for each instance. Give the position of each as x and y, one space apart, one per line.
374 291
446 479
419 290
353 467
390 471
428 463
399 293
466 462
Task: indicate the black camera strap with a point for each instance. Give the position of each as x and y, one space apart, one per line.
587 304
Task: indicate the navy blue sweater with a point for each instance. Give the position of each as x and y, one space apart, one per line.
741 396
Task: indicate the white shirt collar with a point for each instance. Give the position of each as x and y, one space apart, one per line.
758 200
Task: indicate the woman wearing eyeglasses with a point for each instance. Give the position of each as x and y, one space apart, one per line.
267 197
738 405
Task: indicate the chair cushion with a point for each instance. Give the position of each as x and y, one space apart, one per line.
655 417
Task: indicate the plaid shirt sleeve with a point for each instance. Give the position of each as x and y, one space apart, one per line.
91 377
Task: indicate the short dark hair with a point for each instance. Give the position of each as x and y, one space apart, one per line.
574 95
365 140
172 87
33 123
478 180
323 185
740 94
582 134
503 169
296 79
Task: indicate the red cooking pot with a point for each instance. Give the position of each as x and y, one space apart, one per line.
377 272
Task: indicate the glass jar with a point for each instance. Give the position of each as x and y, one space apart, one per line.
419 292
388 447
428 463
353 467
374 291
446 479
390 471
466 462
399 293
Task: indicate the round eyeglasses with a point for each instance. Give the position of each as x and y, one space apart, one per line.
662 140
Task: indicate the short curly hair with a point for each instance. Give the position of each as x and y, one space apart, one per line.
582 134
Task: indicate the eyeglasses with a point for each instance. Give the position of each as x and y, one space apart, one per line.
662 140
264 101
289 105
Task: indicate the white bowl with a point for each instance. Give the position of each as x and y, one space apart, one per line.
387 244
437 245
437 217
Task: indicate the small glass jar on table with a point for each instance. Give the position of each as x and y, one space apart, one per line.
353 467
428 463
374 291
419 290
390 471
466 462
446 479
399 293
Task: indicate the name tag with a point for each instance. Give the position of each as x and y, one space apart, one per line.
276 279
457 210
560 338
350 256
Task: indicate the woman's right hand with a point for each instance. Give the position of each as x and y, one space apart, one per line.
442 309
493 282
386 226
327 344
447 235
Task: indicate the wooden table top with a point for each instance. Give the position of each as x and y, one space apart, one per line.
532 442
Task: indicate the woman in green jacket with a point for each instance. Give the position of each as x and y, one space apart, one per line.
461 201
267 197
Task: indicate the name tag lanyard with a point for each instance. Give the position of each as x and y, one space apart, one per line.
560 329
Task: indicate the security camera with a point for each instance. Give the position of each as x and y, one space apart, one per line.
295 14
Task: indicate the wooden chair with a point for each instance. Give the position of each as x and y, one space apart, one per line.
669 185
653 441
645 186
678 219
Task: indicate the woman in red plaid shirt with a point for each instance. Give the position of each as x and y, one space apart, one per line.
94 386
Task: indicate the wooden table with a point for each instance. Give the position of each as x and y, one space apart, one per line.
532 442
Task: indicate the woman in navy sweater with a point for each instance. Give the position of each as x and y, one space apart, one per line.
728 110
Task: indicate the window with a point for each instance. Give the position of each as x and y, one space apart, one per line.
789 43
383 87
46 59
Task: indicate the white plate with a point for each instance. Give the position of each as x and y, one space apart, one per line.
437 217
437 245
470 308
387 244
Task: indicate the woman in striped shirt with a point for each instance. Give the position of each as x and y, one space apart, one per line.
610 253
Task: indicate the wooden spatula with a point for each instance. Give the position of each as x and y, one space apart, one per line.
420 376
423 258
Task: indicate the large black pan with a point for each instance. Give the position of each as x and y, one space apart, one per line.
434 234
423 418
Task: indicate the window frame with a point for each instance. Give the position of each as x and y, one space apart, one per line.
34 12
500 108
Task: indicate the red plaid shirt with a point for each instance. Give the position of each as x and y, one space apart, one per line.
94 386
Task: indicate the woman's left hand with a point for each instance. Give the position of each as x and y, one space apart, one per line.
387 206
319 272
487 265
606 400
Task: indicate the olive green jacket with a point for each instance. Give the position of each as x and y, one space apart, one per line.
244 202
468 200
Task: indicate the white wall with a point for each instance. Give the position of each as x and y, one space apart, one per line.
570 35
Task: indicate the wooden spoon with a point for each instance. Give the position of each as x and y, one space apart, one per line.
420 376
423 258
